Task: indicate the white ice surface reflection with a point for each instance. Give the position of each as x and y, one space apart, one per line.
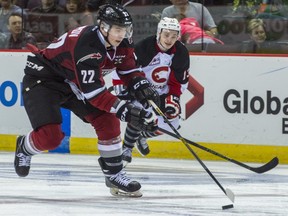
64 184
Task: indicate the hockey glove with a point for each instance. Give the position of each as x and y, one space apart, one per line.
172 106
121 92
141 89
136 116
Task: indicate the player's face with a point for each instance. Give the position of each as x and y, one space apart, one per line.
117 34
168 38
258 34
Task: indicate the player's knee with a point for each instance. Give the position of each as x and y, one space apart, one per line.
52 142
48 137
113 132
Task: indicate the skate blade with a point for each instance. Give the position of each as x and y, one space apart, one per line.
119 193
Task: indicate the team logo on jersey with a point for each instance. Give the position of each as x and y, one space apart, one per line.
155 61
119 59
160 74
90 56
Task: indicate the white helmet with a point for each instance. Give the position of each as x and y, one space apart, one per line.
168 23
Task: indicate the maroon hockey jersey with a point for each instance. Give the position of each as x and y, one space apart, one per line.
81 59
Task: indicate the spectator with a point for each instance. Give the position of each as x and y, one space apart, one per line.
17 38
48 6
91 8
7 8
44 21
258 42
72 14
82 3
33 4
191 33
21 3
183 8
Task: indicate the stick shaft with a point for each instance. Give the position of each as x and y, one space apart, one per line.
264 168
190 149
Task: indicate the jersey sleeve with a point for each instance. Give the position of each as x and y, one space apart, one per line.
89 59
178 79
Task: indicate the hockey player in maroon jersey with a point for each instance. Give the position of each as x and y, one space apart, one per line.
68 73
165 62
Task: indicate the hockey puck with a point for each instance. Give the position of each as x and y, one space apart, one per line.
227 206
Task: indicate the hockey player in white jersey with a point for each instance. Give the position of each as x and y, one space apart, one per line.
165 62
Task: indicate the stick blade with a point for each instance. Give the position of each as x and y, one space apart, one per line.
266 167
230 194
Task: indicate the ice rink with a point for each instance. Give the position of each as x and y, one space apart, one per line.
64 184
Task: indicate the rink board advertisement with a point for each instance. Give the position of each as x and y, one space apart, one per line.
243 100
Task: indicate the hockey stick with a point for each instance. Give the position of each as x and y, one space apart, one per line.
262 169
226 191
127 3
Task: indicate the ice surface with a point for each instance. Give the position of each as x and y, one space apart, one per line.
64 184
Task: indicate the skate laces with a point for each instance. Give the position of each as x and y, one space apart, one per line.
24 160
121 178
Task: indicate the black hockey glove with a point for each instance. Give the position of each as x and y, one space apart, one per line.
141 89
172 106
136 116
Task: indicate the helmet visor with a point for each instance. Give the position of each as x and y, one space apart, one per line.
121 31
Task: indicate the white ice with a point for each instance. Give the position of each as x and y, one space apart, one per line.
64 184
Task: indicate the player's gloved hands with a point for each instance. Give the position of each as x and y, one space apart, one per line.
172 106
136 116
141 89
121 92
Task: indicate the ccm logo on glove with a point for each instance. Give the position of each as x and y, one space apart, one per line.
142 91
141 82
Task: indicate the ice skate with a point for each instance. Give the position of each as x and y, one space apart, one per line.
142 146
126 155
121 185
22 161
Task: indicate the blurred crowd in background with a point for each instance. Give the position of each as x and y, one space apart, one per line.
246 26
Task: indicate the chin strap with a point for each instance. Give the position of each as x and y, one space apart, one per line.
105 37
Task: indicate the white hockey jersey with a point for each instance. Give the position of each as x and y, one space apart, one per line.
168 72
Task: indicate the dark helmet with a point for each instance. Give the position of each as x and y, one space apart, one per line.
114 14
